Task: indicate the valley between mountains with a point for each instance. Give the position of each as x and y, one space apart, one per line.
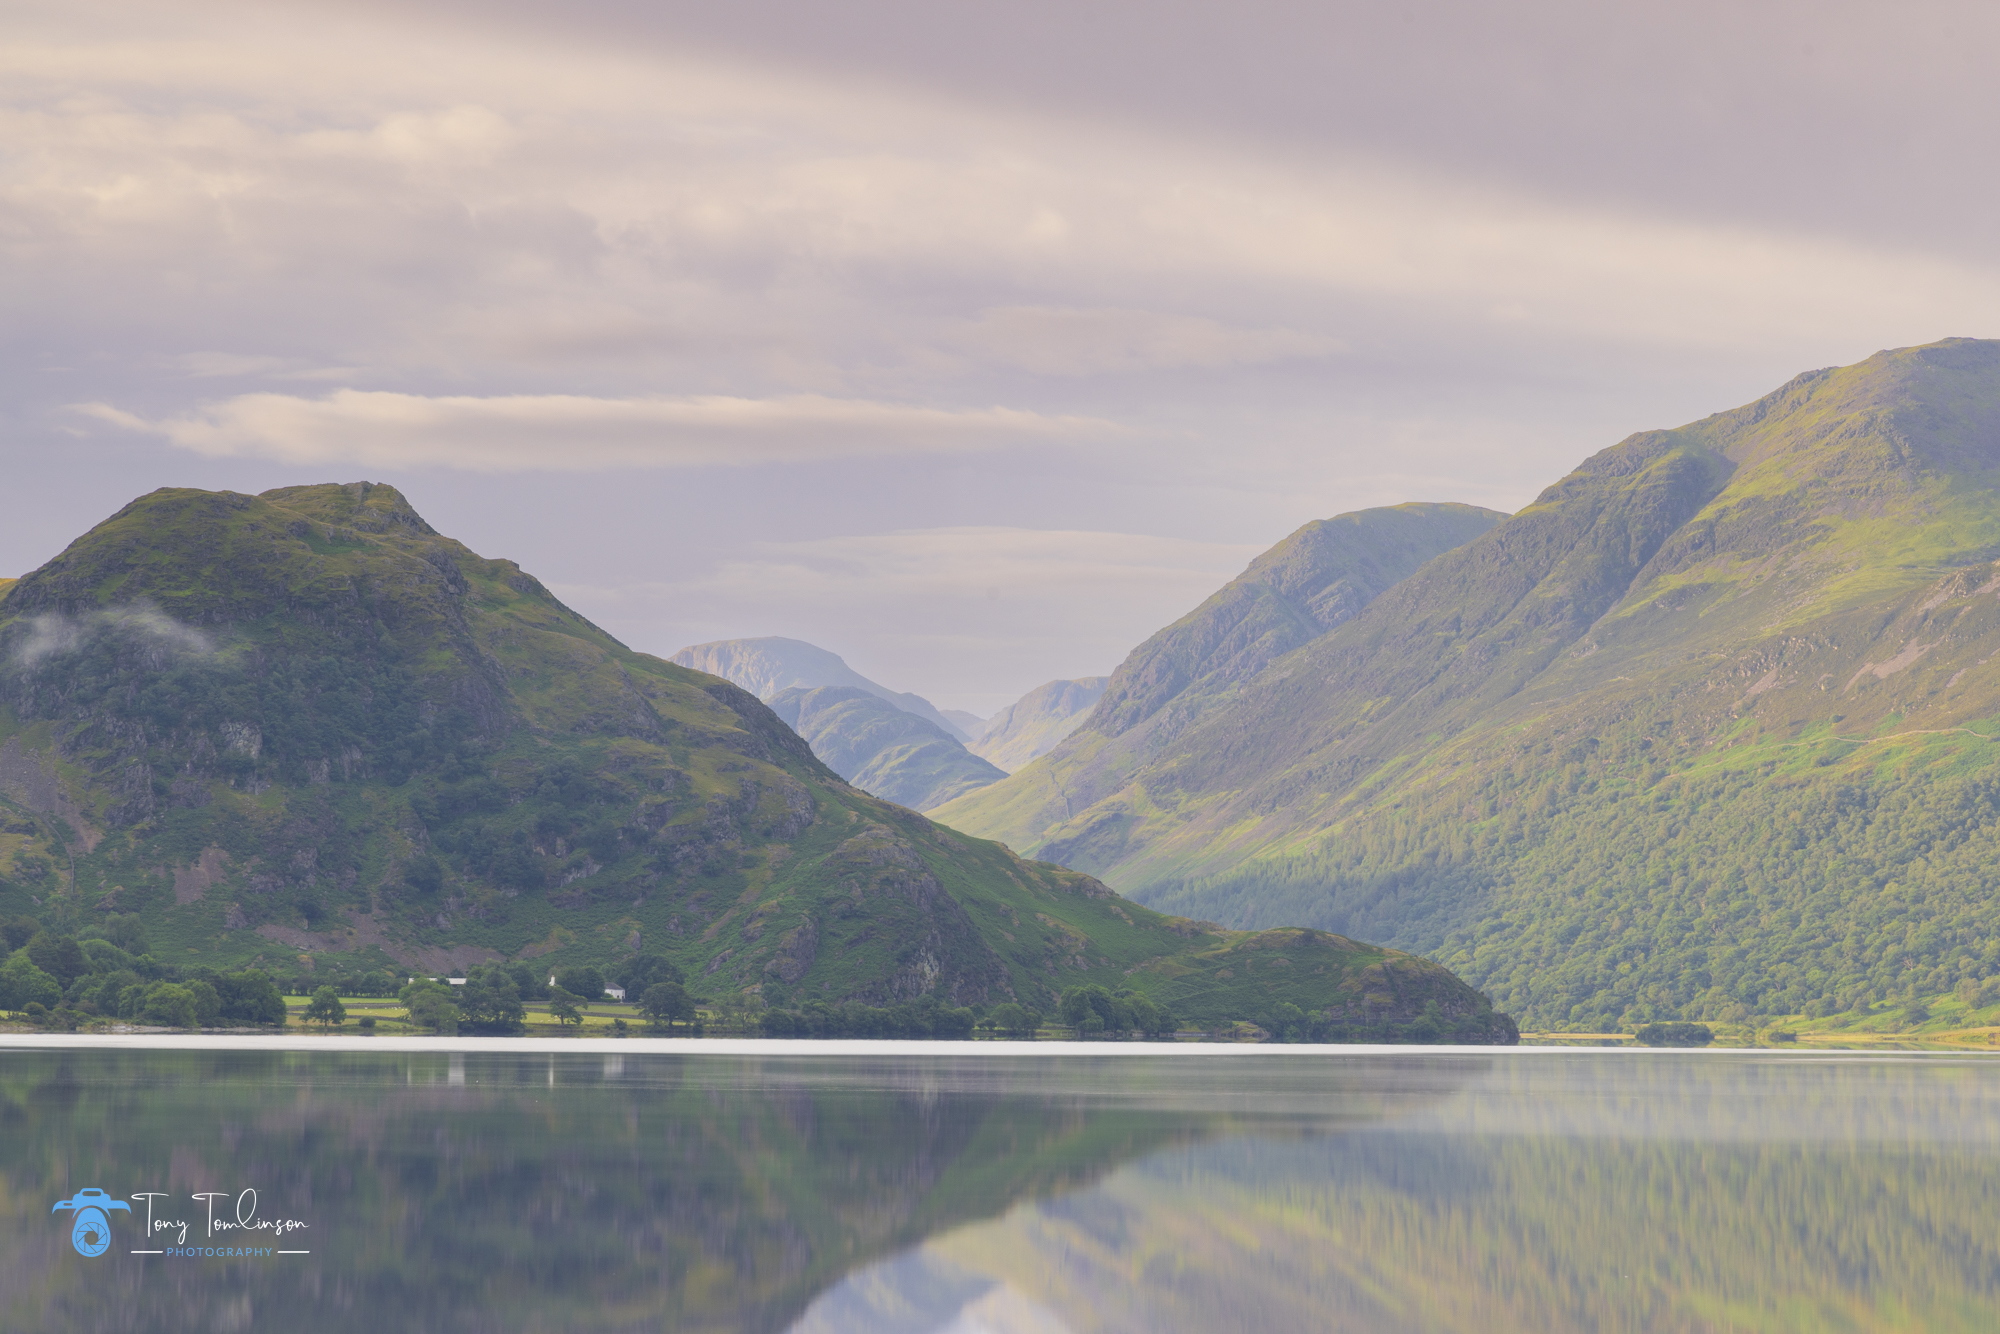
1706 732
305 731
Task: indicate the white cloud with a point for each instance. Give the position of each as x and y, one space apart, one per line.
567 433
472 191
1053 340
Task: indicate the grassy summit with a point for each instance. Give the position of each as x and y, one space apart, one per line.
1702 732
304 726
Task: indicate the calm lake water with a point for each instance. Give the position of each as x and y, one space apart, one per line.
1534 1191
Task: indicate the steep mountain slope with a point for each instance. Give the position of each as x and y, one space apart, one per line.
970 725
305 728
765 666
1314 580
880 749
1702 732
1033 724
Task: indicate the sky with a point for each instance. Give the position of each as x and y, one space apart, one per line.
971 342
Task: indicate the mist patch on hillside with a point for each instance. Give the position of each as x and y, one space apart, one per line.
141 623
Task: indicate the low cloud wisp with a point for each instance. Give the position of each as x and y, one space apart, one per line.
571 433
159 635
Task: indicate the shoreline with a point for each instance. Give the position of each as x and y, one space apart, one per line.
873 1047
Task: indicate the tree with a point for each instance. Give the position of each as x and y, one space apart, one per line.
641 973
207 1003
1016 1020
23 984
171 1004
664 1002
325 1008
566 1008
1286 1022
250 997
1675 1035
1156 1020
124 931
582 981
1092 1010
18 931
431 1005
489 999
60 957
423 874
529 981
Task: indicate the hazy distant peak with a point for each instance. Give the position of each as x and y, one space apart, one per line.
1034 724
767 665
881 749
970 725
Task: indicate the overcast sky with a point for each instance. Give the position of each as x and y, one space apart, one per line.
972 342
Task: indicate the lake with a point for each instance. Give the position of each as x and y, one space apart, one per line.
892 1190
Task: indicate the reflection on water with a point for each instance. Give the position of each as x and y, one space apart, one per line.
1530 1192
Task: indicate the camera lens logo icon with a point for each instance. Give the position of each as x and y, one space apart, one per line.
90 1229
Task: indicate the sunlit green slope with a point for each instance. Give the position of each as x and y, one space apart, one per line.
1314 580
304 726
1702 731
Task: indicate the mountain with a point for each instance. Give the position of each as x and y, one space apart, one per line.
880 749
894 746
1314 580
765 666
1706 731
970 725
304 729
1033 724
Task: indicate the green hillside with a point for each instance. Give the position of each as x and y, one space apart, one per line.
1701 733
303 729
1314 580
879 748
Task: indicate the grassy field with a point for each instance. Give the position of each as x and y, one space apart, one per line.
1952 1024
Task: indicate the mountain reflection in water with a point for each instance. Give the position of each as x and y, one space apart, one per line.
1267 1191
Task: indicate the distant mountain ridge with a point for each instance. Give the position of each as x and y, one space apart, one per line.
1706 731
880 749
970 725
895 746
768 665
1035 723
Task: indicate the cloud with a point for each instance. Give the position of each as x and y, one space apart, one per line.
140 623
568 433
1053 340
238 365
476 189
